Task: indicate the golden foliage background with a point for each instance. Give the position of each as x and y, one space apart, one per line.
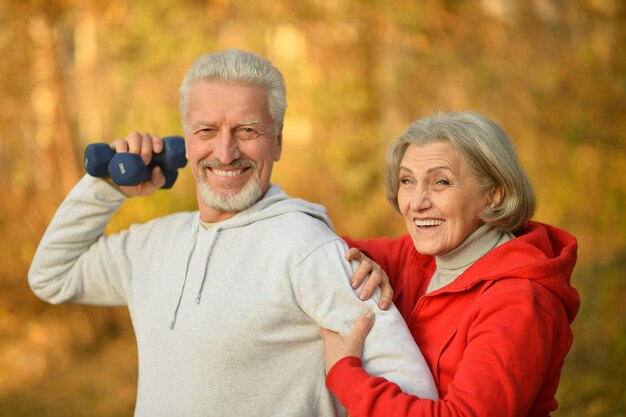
551 72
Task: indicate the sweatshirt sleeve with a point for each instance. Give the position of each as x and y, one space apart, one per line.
511 344
74 262
323 292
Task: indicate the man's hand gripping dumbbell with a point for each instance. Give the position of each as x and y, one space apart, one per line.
138 164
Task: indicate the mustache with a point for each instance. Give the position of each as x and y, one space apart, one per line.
237 163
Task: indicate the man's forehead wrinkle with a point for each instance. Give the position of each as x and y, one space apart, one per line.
244 122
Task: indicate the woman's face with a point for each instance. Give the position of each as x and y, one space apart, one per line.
438 197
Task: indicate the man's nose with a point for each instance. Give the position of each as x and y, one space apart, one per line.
226 148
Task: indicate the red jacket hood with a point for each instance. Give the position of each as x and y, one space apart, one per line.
542 253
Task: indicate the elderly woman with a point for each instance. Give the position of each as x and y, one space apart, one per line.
485 291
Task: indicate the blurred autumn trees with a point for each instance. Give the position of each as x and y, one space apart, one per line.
551 72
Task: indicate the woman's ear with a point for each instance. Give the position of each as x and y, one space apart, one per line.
496 194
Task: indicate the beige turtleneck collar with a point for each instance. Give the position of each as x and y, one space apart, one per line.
452 264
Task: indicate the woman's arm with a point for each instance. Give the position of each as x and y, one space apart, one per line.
511 344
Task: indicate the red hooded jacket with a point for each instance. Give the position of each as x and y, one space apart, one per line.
495 338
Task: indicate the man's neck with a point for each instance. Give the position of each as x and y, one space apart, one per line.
211 215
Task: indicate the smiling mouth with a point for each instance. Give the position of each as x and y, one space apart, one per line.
428 223
223 173
233 169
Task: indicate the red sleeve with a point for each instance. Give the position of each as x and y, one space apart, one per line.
365 395
390 254
509 357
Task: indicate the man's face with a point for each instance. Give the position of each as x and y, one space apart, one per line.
231 144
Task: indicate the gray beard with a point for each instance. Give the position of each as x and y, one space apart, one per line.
237 202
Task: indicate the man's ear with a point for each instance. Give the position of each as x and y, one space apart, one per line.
279 145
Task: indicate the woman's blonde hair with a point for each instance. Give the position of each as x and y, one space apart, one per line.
488 152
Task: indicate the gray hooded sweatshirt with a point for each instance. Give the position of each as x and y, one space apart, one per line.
226 318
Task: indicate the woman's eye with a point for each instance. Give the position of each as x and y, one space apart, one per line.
442 182
405 181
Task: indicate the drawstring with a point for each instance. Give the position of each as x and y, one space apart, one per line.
182 289
207 256
206 263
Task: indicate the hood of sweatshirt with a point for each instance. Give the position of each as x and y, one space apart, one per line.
542 253
274 203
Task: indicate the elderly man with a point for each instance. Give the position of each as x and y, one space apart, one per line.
226 302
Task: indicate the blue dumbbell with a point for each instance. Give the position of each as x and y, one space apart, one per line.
97 158
128 169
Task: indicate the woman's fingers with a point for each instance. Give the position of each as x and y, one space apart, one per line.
359 332
337 346
370 275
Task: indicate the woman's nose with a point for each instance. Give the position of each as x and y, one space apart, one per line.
420 200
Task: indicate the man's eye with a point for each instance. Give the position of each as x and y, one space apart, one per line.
246 132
